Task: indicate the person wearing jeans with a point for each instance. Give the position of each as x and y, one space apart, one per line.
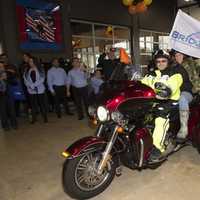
186 95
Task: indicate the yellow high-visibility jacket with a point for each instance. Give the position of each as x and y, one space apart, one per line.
169 77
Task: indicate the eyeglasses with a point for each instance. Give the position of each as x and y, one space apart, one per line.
161 61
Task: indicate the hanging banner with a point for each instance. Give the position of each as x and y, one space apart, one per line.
39 25
185 35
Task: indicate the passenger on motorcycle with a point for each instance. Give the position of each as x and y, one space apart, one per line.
166 83
191 84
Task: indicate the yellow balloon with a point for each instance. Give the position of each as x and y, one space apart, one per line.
127 2
147 2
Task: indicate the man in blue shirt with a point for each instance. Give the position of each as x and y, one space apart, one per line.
57 83
77 79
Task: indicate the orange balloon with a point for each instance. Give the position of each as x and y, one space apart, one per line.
132 10
147 2
141 7
127 2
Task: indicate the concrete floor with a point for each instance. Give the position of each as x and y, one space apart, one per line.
30 167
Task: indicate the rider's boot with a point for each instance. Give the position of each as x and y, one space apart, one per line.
155 155
183 132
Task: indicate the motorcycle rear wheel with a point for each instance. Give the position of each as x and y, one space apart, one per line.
80 180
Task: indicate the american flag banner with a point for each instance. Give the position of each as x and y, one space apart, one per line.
39 25
40 28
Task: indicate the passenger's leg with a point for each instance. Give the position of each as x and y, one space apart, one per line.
184 101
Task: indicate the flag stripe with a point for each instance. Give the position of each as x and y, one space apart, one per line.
50 36
45 24
33 26
50 33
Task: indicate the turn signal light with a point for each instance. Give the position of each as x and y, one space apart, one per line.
94 121
120 130
66 154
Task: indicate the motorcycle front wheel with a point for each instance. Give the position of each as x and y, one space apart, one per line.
80 177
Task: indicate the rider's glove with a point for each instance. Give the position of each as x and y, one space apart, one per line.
162 91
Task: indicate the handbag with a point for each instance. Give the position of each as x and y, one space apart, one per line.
16 91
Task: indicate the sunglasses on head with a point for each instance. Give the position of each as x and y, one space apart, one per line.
161 61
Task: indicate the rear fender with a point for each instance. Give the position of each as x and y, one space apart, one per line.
82 146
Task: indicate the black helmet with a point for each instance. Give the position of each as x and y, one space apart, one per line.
172 52
161 54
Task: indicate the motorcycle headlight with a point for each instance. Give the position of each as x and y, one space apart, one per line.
91 111
117 117
102 114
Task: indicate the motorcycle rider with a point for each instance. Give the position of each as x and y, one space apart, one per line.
166 82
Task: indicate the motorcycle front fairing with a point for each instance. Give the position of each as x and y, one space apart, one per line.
114 93
123 82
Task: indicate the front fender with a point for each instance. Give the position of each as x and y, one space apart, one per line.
80 146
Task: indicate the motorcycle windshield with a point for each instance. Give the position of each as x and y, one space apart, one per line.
110 90
126 72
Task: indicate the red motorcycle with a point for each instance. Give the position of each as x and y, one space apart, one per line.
125 111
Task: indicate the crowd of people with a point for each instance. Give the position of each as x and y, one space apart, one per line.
35 88
43 88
